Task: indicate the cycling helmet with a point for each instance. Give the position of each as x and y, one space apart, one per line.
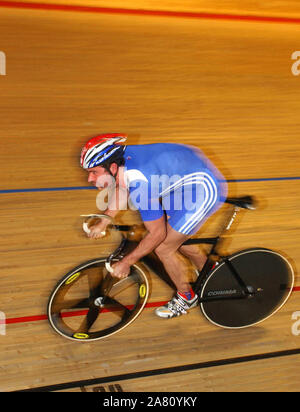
103 150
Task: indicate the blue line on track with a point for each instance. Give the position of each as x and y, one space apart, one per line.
61 189
47 189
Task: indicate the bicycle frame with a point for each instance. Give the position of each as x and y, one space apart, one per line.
222 279
157 267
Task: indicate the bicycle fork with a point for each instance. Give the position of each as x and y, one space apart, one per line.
108 283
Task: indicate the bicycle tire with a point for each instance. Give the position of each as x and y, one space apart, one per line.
269 274
75 312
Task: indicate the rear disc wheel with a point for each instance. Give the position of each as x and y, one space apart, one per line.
268 276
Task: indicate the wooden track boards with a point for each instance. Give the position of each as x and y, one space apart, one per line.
246 377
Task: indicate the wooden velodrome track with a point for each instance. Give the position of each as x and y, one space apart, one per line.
224 85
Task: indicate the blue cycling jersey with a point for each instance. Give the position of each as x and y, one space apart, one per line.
176 179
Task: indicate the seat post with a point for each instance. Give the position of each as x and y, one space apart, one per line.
228 221
232 217
246 202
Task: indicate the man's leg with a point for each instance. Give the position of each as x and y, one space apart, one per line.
169 255
198 202
196 256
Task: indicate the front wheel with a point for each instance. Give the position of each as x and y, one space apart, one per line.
89 304
268 277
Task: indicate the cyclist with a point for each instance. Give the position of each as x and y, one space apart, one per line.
174 187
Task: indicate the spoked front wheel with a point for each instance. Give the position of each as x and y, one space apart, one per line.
89 304
269 280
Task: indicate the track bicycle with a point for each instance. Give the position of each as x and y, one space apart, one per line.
235 291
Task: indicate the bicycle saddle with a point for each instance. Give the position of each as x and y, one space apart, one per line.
245 202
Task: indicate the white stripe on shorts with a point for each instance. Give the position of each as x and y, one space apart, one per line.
211 195
210 190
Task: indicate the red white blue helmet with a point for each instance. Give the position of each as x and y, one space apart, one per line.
102 149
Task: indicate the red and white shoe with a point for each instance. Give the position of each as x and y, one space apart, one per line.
177 306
